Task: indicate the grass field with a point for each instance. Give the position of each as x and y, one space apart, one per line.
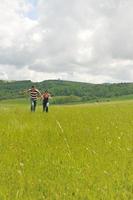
82 152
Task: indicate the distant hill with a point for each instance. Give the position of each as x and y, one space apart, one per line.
75 91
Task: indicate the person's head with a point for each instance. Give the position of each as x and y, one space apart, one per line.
32 87
46 91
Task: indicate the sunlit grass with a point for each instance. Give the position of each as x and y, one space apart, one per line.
82 152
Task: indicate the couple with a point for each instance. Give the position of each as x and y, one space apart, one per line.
34 93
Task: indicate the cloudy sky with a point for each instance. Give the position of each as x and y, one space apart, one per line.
80 40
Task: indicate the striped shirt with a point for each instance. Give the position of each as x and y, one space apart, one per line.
34 93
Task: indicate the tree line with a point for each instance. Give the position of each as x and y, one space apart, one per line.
66 91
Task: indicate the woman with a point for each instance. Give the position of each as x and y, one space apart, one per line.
45 97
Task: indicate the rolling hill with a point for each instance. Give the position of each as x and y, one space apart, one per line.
69 90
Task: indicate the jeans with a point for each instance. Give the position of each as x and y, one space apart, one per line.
33 105
45 106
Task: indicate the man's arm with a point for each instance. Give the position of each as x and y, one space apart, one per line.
39 93
24 91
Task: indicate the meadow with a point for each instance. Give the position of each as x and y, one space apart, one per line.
74 152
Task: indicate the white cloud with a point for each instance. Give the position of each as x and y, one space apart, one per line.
90 40
3 76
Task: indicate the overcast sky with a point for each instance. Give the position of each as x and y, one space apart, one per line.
80 40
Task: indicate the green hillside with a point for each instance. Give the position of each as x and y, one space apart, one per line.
67 91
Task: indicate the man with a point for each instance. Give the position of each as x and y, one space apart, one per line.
45 98
34 93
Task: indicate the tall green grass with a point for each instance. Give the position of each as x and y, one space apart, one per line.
82 152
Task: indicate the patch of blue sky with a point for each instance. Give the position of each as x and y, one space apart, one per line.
33 2
32 13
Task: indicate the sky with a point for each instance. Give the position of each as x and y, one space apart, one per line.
78 40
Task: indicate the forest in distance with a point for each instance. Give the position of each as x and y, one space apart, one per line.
68 91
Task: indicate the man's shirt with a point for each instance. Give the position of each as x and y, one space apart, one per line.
34 93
